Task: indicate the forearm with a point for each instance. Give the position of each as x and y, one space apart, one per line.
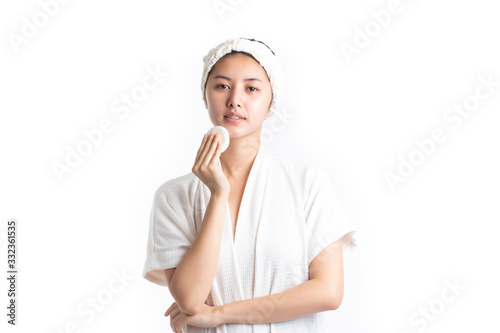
302 300
194 276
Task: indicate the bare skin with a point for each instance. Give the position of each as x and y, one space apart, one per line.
251 99
191 281
228 90
235 195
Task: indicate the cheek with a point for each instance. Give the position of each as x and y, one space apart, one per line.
265 99
213 100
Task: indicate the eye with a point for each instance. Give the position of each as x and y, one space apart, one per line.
221 85
255 89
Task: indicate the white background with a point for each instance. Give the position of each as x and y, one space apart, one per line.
352 118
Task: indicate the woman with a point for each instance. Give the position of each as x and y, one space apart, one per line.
255 244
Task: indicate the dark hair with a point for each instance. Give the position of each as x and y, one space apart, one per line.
237 52
254 40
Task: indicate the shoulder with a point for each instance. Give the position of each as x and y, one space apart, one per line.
182 188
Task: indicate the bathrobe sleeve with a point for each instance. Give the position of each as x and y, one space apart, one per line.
326 220
170 232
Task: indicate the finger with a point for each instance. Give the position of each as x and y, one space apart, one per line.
202 145
206 148
173 315
207 156
217 152
177 322
213 146
170 309
179 327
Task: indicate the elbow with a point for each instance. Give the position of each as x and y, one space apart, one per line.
335 299
334 303
190 308
184 299
187 304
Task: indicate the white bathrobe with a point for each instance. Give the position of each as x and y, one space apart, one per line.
289 212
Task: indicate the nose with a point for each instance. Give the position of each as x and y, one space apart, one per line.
234 99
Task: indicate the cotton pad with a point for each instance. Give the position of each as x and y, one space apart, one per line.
224 136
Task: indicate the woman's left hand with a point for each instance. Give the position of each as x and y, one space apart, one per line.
178 319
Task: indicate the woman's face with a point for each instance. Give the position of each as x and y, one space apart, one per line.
238 83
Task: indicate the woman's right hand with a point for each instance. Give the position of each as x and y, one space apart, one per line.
206 165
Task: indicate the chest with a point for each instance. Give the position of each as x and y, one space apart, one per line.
270 251
234 202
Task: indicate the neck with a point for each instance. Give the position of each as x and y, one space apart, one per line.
238 158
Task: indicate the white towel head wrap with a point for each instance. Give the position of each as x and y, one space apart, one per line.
261 52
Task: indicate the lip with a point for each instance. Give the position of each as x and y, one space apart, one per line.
231 120
234 114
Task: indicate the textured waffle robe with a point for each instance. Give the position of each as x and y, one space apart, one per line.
289 212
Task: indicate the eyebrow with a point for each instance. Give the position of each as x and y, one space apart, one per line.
247 79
